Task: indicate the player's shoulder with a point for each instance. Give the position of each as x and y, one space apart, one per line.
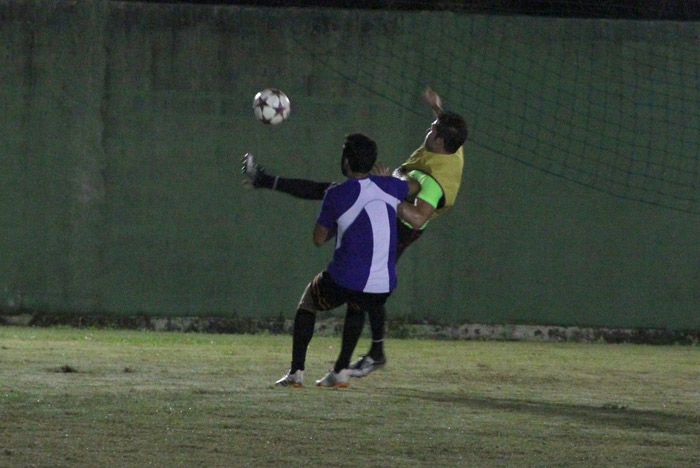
342 189
344 185
381 180
390 183
336 187
332 186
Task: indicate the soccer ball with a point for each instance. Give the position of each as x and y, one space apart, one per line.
271 106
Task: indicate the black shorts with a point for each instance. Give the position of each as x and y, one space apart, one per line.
405 237
322 293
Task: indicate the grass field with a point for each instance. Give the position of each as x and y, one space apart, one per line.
83 397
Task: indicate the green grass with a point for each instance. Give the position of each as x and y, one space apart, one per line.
76 397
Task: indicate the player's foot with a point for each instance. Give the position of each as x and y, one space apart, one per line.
334 380
291 380
251 170
365 365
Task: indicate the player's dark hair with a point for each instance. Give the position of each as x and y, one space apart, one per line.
452 128
360 151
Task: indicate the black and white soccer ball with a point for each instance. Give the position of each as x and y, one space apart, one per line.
271 106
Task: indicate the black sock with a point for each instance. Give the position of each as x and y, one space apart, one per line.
263 180
300 188
304 322
354 322
377 320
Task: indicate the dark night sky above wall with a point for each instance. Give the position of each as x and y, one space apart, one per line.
677 10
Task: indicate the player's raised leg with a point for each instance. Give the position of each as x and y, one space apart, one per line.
255 176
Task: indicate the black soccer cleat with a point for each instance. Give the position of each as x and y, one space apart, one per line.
365 365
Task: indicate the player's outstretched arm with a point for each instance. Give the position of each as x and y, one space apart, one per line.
416 214
433 100
255 176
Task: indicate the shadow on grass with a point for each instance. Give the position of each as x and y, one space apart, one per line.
606 415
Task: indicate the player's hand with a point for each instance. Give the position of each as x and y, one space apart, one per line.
413 188
380 169
433 99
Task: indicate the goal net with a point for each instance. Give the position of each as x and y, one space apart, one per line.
610 104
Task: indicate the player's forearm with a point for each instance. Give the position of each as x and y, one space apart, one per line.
411 214
437 110
434 101
320 235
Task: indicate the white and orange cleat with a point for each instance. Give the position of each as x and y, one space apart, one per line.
335 380
291 380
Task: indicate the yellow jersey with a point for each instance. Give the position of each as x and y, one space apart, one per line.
446 169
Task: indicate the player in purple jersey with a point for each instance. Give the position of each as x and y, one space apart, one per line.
361 214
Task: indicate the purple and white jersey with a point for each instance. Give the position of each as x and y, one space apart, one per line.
364 212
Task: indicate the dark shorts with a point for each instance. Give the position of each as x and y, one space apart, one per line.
405 236
322 293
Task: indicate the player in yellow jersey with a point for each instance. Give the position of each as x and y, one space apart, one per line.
434 171
434 174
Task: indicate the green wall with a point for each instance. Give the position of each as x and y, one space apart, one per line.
123 124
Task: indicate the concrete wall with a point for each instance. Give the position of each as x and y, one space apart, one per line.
122 127
52 65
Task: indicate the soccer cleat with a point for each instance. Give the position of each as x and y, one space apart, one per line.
334 380
364 366
291 380
251 170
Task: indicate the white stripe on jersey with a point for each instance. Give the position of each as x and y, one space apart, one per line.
378 280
